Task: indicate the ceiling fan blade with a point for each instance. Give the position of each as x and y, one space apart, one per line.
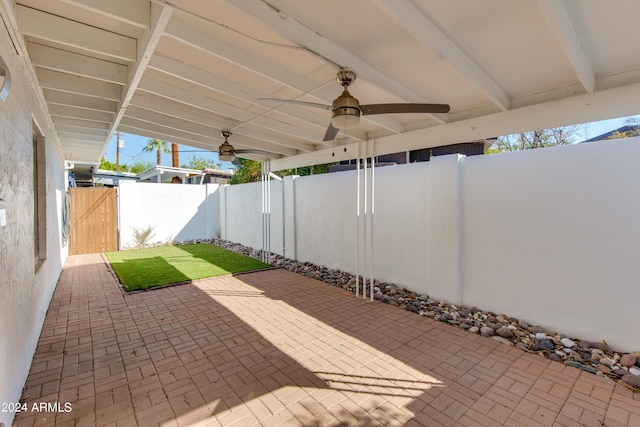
404 108
293 101
331 133
236 162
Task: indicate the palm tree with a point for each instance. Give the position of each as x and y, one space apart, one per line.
158 146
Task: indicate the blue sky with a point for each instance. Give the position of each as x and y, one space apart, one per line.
133 151
134 144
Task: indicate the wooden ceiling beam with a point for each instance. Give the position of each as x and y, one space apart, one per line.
208 80
81 65
302 35
175 135
80 85
410 18
185 33
80 113
79 123
192 115
82 131
135 13
565 32
42 25
80 101
146 46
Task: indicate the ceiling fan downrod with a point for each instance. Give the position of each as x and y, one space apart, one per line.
346 76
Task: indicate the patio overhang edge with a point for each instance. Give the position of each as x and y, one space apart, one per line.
601 105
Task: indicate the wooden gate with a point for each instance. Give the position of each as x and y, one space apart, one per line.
94 220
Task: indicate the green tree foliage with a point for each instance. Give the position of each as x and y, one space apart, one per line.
247 171
534 139
251 171
197 162
107 165
136 167
305 170
159 147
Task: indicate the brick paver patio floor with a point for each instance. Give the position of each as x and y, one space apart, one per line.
275 348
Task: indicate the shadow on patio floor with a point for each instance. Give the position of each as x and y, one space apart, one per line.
274 348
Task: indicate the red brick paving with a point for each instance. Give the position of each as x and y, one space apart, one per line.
274 348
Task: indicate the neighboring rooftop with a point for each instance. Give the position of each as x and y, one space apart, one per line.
628 130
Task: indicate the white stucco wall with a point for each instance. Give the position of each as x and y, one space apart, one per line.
24 289
400 225
325 223
547 235
325 207
553 236
177 212
443 240
241 213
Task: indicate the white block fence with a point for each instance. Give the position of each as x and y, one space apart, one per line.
551 236
176 212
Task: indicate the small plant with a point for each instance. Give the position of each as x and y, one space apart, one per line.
141 236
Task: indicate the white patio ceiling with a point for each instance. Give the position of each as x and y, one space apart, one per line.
184 70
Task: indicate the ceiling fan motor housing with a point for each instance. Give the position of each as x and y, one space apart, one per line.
346 105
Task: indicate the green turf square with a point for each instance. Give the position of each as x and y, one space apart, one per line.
163 265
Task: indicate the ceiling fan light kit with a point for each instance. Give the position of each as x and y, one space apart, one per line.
225 153
345 117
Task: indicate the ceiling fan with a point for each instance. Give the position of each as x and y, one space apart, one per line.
226 151
346 110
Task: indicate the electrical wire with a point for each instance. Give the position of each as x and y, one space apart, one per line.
246 35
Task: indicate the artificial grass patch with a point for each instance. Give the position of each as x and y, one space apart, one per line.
145 268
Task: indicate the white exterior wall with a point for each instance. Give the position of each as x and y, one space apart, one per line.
25 290
241 213
399 224
553 237
176 212
443 216
414 244
549 236
325 207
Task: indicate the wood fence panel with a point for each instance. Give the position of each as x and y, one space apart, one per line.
94 221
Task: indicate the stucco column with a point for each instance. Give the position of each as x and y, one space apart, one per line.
445 228
289 213
223 211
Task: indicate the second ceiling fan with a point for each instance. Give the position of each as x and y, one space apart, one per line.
346 109
226 151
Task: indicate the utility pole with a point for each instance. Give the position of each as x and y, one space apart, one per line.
119 146
174 156
118 151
